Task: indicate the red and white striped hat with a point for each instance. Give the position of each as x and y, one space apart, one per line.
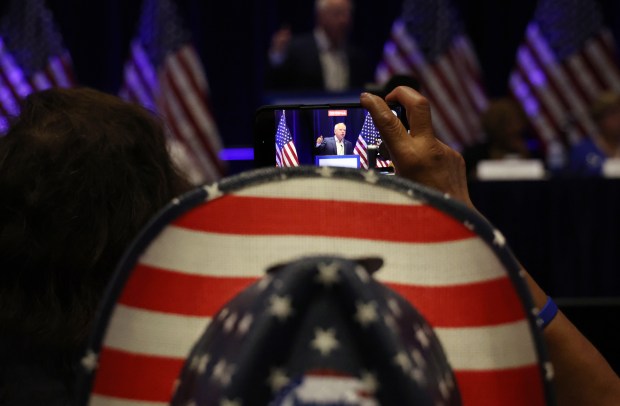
212 243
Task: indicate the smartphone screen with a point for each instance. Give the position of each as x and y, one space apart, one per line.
341 135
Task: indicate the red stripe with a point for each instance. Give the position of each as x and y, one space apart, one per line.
463 305
67 66
176 133
507 387
609 58
137 377
203 296
437 107
172 292
190 53
9 85
142 80
207 147
272 216
591 65
543 109
556 88
453 102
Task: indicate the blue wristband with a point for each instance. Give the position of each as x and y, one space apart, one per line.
547 313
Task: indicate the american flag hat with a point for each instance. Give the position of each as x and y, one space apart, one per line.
211 247
317 331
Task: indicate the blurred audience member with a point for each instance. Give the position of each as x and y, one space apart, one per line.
587 157
81 172
505 126
323 59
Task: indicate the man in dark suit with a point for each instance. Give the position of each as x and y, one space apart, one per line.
322 59
335 145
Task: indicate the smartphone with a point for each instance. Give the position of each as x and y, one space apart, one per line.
305 134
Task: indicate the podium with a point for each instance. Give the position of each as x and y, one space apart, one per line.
340 161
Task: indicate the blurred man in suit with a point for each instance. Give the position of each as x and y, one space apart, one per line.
322 59
335 145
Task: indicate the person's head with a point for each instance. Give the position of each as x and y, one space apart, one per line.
335 18
605 112
340 130
504 123
81 172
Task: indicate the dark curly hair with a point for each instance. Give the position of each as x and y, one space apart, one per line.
81 172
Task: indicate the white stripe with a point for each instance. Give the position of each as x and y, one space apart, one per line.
57 68
442 131
191 58
416 58
583 75
472 78
100 400
483 348
186 131
142 94
6 98
143 64
194 100
545 95
599 58
320 189
395 61
15 75
436 264
557 75
382 74
467 348
461 102
140 331
41 81
522 91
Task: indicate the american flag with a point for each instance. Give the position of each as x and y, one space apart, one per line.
369 135
428 42
566 60
448 263
326 360
286 154
32 55
164 73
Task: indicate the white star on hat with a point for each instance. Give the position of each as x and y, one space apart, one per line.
325 341
90 361
277 379
280 307
328 273
366 313
213 191
402 360
245 323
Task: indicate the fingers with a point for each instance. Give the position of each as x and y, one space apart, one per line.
393 133
418 110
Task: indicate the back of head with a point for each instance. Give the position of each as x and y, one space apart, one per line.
80 173
505 124
335 18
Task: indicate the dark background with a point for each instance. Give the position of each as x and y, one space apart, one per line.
232 38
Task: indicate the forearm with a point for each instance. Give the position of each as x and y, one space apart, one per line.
582 375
